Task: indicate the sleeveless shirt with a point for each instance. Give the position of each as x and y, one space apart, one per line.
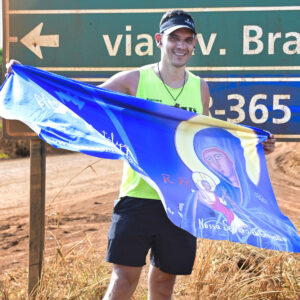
151 88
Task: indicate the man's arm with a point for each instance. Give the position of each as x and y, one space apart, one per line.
124 82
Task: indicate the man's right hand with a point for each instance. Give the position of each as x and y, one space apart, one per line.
9 66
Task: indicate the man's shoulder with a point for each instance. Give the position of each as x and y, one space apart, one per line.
124 82
201 80
147 67
132 74
204 84
193 75
129 79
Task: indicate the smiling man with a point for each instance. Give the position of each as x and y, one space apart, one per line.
139 221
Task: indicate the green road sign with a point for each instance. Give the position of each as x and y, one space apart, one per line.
91 40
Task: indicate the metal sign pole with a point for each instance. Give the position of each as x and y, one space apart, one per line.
37 213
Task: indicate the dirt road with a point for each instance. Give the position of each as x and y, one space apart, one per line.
80 191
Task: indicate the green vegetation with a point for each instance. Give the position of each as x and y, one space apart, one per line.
1 55
3 155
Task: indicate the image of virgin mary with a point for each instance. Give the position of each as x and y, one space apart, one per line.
232 181
224 157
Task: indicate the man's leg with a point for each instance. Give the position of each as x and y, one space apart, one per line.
123 282
160 284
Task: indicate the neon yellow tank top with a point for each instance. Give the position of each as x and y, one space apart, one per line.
150 87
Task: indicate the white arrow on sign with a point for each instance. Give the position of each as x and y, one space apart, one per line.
34 40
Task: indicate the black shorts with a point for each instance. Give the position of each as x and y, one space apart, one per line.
141 224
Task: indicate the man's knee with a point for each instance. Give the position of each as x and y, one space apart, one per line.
165 287
123 282
125 278
161 283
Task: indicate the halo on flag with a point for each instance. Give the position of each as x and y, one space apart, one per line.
184 139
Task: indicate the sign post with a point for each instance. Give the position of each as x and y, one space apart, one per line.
37 213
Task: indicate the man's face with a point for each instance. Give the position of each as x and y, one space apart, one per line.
177 47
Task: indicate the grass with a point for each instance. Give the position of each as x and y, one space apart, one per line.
222 270
225 270
76 273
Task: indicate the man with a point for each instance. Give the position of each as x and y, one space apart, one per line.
139 222
172 249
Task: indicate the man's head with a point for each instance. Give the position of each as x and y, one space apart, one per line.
177 37
175 19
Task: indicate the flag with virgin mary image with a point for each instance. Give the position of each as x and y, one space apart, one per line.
211 175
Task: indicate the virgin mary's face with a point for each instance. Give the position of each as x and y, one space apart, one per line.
219 161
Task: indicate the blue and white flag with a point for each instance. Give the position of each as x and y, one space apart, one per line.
211 175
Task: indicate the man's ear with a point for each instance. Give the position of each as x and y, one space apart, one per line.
158 39
195 42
